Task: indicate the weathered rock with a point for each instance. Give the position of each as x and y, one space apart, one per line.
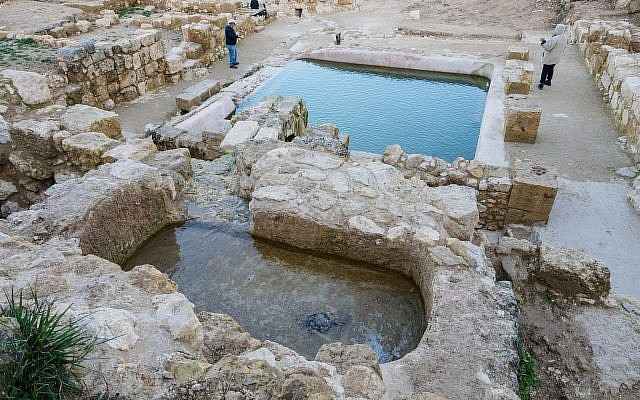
175 313
133 149
345 356
222 335
84 118
301 386
287 115
152 281
6 189
241 132
185 369
116 325
177 162
210 117
194 95
86 150
363 382
35 137
31 165
104 209
5 141
32 87
421 396
573 274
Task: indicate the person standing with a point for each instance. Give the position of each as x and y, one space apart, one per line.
231 39
553 49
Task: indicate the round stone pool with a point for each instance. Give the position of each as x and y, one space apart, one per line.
297 299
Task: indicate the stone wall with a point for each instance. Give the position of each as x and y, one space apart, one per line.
612 55
104 74
535 187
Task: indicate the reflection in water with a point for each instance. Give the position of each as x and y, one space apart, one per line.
291 297
424 112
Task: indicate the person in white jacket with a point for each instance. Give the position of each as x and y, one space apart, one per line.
553 49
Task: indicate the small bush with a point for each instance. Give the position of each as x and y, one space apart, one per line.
42 350
527 379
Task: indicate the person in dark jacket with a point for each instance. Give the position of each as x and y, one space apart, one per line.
231 39
254 5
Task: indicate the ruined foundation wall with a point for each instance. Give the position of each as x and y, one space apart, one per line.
611 51
114 72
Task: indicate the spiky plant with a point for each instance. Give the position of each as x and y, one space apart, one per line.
42 350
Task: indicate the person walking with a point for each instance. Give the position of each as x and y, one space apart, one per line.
231 39
553 49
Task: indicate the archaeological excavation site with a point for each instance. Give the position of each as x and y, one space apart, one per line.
319 200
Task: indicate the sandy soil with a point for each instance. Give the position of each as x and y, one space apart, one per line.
32 16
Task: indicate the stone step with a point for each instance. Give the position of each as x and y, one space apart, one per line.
196 94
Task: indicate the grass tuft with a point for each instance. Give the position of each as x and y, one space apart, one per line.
42 349
527 379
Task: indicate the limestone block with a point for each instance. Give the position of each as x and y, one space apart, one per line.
346 356
35 137
5 141
532 195
32 87
572 273
518 53
222 335
116 325
267 134
196 94
522 120
200 33
241 132
85 150
193 50
209 118
136 149
176 162
6 189
176 314
32 166
185 369
518 77
83 118
363 382
287 114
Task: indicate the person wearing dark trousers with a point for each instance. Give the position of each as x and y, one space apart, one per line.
231 39
553 49
254 4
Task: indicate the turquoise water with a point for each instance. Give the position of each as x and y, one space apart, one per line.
425 112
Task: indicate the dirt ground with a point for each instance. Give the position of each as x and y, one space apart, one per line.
32 16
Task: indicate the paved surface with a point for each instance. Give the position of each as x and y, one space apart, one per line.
595 217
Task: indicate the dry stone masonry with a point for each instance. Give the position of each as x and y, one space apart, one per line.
101 74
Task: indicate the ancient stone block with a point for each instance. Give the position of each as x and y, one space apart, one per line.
532 195
196 94
85 150
35 137
522 120
32 87
518 77
83 118
518 53
239 133
573 274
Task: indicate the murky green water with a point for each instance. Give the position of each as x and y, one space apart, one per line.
284 295
425 112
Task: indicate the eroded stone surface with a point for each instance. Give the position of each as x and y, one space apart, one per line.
83 118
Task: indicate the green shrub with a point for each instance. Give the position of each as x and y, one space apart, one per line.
527 379
42 350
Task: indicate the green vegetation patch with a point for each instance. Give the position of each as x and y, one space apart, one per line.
42 349
133 10
24 52
527 380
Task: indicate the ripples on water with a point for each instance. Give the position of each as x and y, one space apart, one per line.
429 113
284 295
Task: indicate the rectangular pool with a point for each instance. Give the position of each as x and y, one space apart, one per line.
425 112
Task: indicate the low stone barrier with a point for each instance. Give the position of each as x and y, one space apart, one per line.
611 53
494 185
